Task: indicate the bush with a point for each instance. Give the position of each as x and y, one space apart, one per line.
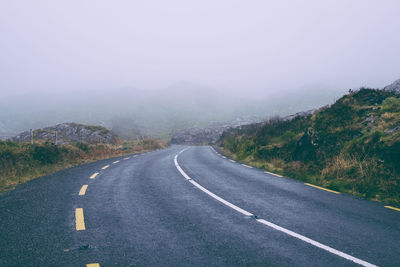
47 154
391 104
7 155
82 146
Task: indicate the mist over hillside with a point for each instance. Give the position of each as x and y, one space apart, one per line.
132 112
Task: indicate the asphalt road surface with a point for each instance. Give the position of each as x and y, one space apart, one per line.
189 206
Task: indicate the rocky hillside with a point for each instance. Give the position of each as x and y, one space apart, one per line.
198 136
351 146
209 135
70 133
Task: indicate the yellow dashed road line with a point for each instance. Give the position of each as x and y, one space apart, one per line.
93 265
94 175
393 208
80 221
335 192
247 166
82 192
127 158
105 167
115 162
273 174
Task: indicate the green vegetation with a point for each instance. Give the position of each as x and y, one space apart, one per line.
352 146
21 162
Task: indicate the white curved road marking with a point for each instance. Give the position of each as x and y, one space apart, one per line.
270 224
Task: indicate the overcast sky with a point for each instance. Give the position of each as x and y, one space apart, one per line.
231 46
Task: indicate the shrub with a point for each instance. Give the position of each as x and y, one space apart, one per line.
46 154
391 104
82 146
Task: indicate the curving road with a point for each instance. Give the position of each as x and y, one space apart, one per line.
189 206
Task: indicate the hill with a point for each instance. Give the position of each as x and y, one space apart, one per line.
350 146
132 112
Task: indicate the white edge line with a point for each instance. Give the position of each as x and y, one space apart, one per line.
267 223
179 168
315 243
221 199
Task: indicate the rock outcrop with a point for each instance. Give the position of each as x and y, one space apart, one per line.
394 87
198 136
299 114
68 133
209 135
305 148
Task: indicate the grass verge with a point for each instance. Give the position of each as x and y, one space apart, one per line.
22 162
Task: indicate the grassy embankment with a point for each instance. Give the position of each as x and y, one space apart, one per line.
21 162
352 146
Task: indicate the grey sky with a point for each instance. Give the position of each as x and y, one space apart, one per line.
232 46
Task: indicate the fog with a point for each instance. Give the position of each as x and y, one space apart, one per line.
151 67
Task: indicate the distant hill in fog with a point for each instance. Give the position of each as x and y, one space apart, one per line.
132 112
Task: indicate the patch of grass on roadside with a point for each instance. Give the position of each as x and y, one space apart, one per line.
351 146
21 162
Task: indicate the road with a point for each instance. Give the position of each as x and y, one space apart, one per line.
189 206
